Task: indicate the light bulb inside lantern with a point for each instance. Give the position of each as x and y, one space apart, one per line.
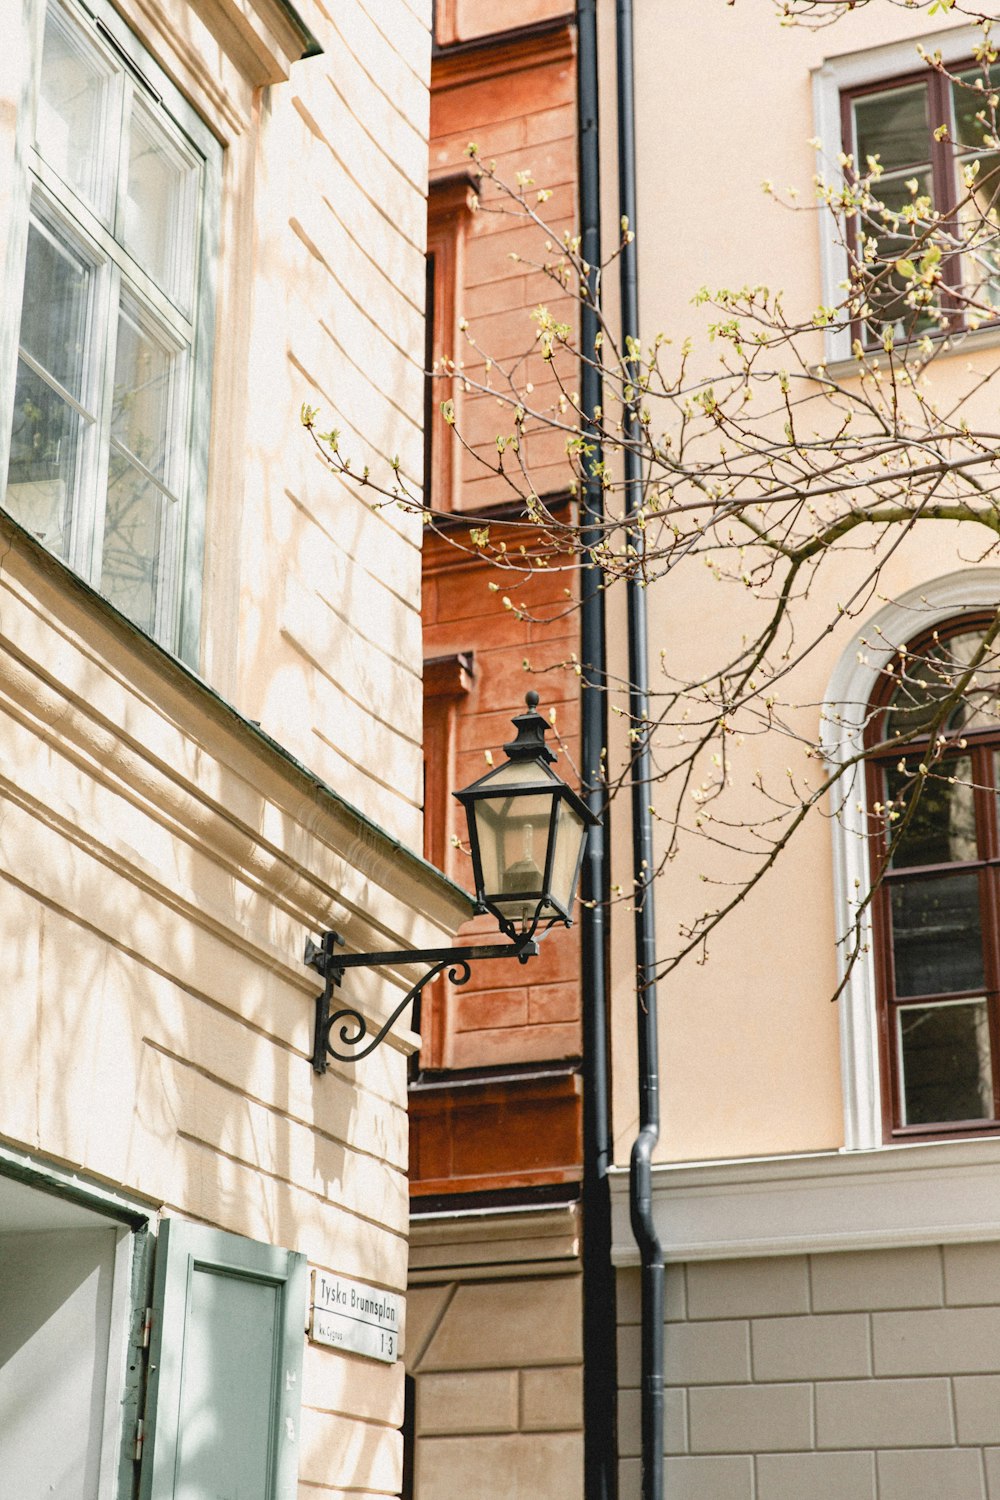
523 874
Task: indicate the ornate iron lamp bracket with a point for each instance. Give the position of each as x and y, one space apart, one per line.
352 1025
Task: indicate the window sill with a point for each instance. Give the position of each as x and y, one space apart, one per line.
966 343
926 1193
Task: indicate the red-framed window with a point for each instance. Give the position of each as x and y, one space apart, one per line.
929 132
933 804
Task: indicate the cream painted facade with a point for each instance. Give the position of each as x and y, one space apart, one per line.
692 234
171 832
831 1300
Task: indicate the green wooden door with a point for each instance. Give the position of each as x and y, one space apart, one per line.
225 1367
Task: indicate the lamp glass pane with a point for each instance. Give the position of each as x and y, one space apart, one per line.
512 839
512 834
569 836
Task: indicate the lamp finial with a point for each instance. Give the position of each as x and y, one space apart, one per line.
530 743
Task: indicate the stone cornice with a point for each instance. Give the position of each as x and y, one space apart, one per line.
938 1193
450 193
263 37
441 554
505 52
479 1243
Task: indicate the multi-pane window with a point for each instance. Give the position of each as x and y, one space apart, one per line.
938 187
933 780
107 452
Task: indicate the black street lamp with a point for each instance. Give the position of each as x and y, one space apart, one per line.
527 833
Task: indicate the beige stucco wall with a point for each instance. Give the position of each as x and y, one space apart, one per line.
750 1044
160 867
310 617
329 648
162 860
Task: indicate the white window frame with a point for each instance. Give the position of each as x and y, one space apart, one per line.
845 710
851 71
177 624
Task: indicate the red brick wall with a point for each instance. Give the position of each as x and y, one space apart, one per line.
518 104
509 1012
517 101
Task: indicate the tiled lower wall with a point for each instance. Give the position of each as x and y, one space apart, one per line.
498 1374
863 1376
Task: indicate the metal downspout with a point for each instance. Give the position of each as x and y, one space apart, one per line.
640 1178
600 1379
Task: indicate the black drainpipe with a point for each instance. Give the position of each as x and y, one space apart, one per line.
600 1376
641 1176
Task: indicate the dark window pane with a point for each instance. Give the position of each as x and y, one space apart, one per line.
893 228
970 101
927 679
45 451
893 126
978 219
936 939
942 826
979 230
944 1053
133 541
54 312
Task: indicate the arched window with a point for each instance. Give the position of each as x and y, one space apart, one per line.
932 779
858 695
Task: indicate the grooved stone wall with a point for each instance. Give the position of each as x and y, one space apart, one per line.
498 1377
863 1376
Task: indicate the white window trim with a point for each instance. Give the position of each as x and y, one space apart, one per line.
851 687
181 614
855 70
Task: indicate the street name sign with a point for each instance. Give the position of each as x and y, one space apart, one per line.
359 1319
